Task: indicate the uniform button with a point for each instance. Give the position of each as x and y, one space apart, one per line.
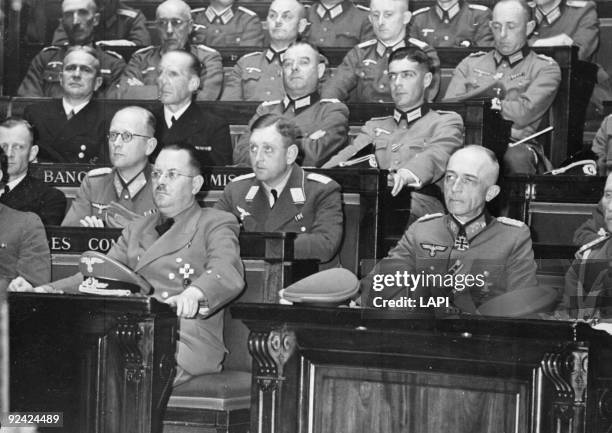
382 86
216 30
179 260
126 197
237 39
164 295
385 72
324 29
322 40
208 271
83 147
302 229
380 101
81 155
218 276
271 78
171 276
446 38
268 93
137 258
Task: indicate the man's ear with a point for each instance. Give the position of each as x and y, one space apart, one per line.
96 19
292 154
302 25
194 84
151 145
197 183
427 79
98 83
530 27
492 192
320 69
33 153
407 17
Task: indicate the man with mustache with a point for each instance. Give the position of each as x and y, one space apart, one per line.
174 25
323 122
112 197
79 18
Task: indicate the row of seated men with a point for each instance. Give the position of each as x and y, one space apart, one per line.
362 76
190 254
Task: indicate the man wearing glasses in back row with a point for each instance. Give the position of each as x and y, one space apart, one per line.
112 197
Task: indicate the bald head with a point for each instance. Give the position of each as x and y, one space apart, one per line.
177 8
142 118
173 21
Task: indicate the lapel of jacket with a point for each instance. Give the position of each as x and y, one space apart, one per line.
258 207
288 204
20 194
186 126
180 235
81 122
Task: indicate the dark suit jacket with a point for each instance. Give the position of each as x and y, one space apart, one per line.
80 139
207 132
33 195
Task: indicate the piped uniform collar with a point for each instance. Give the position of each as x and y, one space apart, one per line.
551 16
223 17
447 15
272 54
512 59
300 103
410 116
330 14
127 190
382 49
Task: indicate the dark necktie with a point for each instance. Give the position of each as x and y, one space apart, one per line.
172 121
5 190
70 115
274 195
164 226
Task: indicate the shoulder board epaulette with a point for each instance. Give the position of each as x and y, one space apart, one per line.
127 13
243 177
267 103
478 54
420 11
380 118
247 11
196 10
429 216
422 45
477 7
145 49
593 243
198 26
576 3
319 178
254 53
51 47
206 48
333 100
114 54
367 43
510 222
547 58
99 171
363 8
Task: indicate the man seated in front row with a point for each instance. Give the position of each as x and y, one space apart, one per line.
416 142
189 254
280 196
25 192
525 82
112 197
323 122
25 259
72 129
468 240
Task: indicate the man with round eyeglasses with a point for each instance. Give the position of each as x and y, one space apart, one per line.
112 197
174 25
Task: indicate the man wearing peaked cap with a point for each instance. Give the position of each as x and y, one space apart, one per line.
174 24
189 255
257 76
224 24
323 122
280 196
79 18
112 197
338 23
363 74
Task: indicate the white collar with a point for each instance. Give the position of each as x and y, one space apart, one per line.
177 114
279 188
76 108
13 183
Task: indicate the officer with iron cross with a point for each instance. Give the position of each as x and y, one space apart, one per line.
490 255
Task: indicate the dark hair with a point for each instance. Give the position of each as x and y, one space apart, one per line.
523 4
414 54
285 127
194 162
3 167
195 66
14 121
88 50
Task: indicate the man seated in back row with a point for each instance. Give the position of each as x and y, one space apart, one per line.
416 142
114 197
223 24
280 196
338 23
323 122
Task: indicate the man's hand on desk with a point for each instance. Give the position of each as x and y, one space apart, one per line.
20 284
187 303
400 178
91 221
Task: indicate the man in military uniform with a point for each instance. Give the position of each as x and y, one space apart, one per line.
72 129
24 253
416 142
323 122
120 25
482 256
338 23
114 197
280 196
27 193
180 119
79 17
189 254
452 23
222 24
363 74
525 82
257 76
569 22
173 19
589 279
